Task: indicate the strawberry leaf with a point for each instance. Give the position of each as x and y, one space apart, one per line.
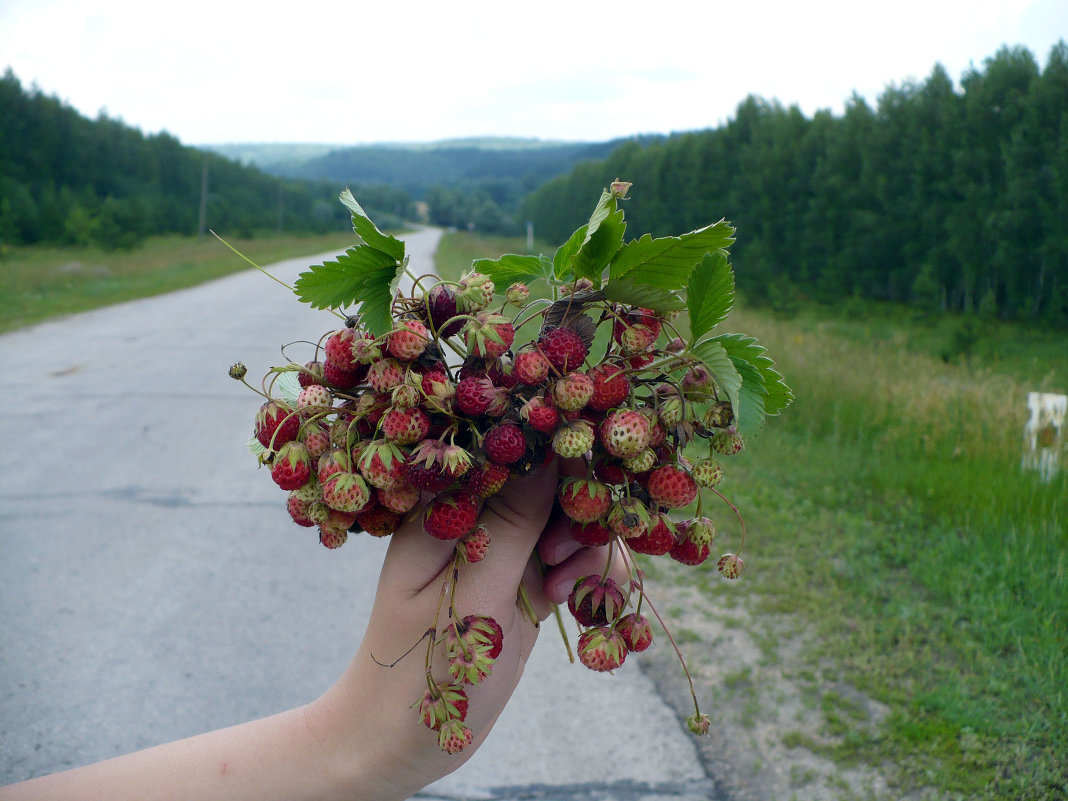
368 231
510 268
648 297
602 242
710 293
715 357
565 255
361 274
667 261
764 392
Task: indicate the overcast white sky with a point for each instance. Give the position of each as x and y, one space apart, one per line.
347 71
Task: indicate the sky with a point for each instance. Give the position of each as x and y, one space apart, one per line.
333 72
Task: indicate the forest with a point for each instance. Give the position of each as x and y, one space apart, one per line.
954 199
66 179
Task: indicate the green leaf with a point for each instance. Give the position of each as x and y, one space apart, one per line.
668 261
710 293
719 364
361 274
648 297
764 392
779 394
510 268
565 255
600 245
368 231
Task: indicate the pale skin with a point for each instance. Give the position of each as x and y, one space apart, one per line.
360 740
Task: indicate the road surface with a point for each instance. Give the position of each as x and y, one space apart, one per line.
152 586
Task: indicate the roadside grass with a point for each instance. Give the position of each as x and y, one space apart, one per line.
888 512
40 282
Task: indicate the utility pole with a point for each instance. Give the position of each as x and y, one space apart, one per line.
202 225
281 206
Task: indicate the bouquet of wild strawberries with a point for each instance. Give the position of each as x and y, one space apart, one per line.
455 389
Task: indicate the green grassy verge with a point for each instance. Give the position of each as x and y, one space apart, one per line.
41 282
889 515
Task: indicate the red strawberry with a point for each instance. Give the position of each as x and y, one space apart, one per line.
450 516
333 538
564 349
505 443
488 479
291 467
447 702
276 424
671 486
311 374
298 510
442 302
584 500
689 549
474 545
489 336
541 416
408 341
657 541
531 367
339 350
636 630
454 737
610 386
592 535
346 492
385 374
405 426
595 601
474 395
400 498
377 520
602 649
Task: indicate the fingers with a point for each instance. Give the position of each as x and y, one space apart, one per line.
567 560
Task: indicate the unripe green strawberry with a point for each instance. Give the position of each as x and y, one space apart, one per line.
730 565
641 463
719 415
314 398
707 473
698 723
385 374
474 292
406 396
517 294
728 442
625 432
701 530
573 439
573 391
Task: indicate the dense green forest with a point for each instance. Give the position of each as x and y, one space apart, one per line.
71 180
478 184
952 198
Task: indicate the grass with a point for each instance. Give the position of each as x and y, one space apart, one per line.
889 515
40 282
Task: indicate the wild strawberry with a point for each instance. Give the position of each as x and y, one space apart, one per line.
517 294
342 379
276 424
707 473
688 550
573 391
595 601
564 348
531 367
728 442
670 411
584 500
698 723
442 302
382 464
671 486
474 545
625 432
447 702
469 652
291 467
591 535
405 426
333 538
474 292
643 462
408 341
454 736
407 395
438 390
730 565
501 371
697 383
601 649
377 520
489 336
610 386
628 517
636 339
718 415
339 350
540 415
311 373
657 541
433 466
482 631
333 461
314 398
474 395
500 404
385 374
346 492
505 443
400 498
488 479
573 439
298 510
636 630
646 318
316 439
450 516
611 472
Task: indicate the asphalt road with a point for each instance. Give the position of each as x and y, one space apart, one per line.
152 586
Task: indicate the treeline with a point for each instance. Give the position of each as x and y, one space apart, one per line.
956 199
66 179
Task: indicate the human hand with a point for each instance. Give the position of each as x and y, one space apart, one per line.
365 720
